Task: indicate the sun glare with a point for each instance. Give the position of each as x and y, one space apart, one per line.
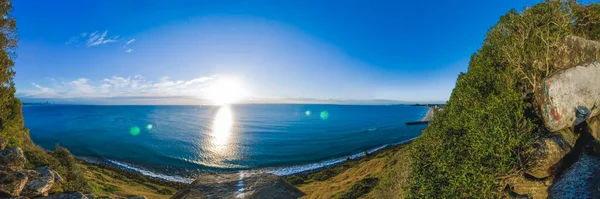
226 91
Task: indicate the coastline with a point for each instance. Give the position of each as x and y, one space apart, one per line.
428 116
133 174
286 172
283 172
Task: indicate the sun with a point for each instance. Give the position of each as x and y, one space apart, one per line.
226 91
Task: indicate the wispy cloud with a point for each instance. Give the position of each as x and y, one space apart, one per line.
96 38
93 39
129 42
121 87
126 46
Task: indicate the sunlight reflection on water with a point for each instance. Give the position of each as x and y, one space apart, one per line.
221 135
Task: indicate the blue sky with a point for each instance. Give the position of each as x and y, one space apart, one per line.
137 52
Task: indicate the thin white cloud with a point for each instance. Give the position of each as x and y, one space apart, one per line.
96 38
119 87
93 39
126 46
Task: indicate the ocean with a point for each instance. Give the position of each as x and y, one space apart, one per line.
179 142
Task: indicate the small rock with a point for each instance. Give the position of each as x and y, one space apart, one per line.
40 181
12 182
90 196
73 195
2 143
137 197
57 177
12 158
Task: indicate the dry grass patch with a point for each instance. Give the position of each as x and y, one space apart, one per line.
109 183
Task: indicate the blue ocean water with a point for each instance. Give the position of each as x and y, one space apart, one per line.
178 142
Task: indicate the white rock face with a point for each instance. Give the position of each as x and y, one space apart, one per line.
40 181
567 90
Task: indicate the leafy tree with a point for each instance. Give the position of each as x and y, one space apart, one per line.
12 127
11 120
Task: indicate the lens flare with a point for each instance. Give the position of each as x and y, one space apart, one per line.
307 113
324 115
149 126
134 130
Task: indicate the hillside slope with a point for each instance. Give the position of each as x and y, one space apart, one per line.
492 126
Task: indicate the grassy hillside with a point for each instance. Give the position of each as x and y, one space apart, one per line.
490 120
358 178
490 123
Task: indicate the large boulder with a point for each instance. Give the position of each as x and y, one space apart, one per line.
578 181
245 185
40 181
548 154
12 182
12 158
569 97
72 195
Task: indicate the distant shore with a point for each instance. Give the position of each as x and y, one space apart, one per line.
428 116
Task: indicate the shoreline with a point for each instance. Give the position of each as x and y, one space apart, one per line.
428 116
358 159
284 172
133 174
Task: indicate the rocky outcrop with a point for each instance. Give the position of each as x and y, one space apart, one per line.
549 154
562 163
40 181
258 185
12 182
12 158
579 181
569 93
22 183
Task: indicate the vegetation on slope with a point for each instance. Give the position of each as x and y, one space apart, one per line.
78 176
488 124
356 178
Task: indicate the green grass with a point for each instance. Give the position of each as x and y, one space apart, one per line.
491 115
361 188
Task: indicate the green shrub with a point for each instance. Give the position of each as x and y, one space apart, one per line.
71 170
490 116
165 191
295 180
110 188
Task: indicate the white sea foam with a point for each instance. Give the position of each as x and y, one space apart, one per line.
151 174
277 171
314 166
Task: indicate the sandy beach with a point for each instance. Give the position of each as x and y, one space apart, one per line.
428 116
